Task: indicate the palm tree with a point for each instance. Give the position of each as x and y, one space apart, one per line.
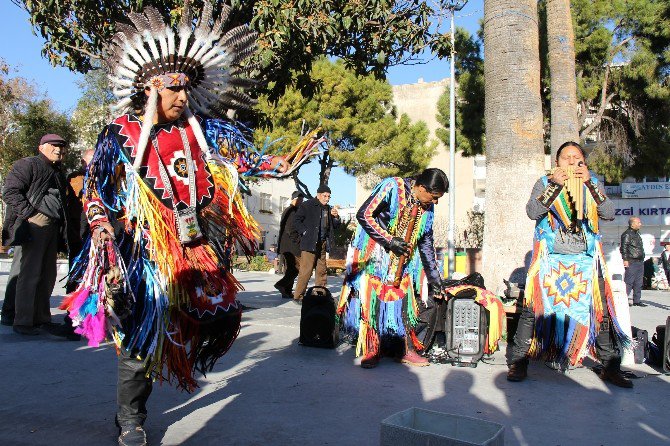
561 39
514 148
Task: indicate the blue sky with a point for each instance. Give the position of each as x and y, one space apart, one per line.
21 49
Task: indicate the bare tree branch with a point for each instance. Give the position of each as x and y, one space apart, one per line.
82 50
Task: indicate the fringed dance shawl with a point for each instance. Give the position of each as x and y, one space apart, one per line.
563 289
370 306
172 305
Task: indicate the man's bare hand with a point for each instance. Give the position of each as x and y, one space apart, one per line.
559 176
583 172
279 164
102 233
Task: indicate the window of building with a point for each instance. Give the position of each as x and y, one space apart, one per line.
283 203
266 203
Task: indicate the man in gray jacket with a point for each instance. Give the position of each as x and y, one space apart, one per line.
632 252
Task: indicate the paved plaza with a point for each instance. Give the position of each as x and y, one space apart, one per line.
268 390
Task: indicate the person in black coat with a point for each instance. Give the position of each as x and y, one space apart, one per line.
36 220
632 253
289 246
315 221
665 260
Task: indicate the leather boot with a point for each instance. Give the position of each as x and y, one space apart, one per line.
616 377
517 371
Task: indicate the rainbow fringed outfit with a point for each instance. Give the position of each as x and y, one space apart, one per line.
171 304
563 289
370 307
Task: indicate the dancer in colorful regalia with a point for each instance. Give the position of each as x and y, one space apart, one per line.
392 268
164 208
569 307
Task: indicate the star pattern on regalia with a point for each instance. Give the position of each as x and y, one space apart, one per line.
178 167
565 284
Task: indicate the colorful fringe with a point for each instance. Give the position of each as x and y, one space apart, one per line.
178 302
370 307
493 306
232 142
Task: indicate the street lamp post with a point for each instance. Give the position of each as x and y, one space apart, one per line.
452 6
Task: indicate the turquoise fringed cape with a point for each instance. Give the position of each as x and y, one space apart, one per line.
563 289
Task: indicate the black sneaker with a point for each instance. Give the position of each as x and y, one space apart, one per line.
616 377
639 304
283 291
26 330
132 435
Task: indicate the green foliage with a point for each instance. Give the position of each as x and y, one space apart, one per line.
30 123
622 56
469 97
259 263
356 114
93 111
623 61
369 36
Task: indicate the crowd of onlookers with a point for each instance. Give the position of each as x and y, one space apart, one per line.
44 217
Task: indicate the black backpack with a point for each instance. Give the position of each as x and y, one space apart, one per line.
317 319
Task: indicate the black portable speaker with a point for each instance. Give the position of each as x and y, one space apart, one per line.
317 319
466 329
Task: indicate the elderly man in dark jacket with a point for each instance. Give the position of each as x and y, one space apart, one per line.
632 252
315 221
289 246
34 193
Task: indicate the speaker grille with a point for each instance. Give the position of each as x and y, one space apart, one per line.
466 328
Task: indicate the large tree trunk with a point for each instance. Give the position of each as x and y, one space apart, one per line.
514 147
561 39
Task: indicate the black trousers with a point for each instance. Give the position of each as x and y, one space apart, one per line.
606 346
9 304
633 278
291 270
132 391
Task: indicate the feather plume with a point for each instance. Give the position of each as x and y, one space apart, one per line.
203 24
140 21
186 15
223 18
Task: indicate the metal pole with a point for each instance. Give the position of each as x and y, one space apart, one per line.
452 151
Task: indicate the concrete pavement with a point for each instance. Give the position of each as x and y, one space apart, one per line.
268 390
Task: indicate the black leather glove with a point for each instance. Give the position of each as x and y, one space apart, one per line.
436 290
398 246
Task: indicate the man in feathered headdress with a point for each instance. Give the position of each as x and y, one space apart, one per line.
163 205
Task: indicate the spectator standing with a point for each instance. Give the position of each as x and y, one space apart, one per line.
289 246
632 252
665 260
315 221
35 196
